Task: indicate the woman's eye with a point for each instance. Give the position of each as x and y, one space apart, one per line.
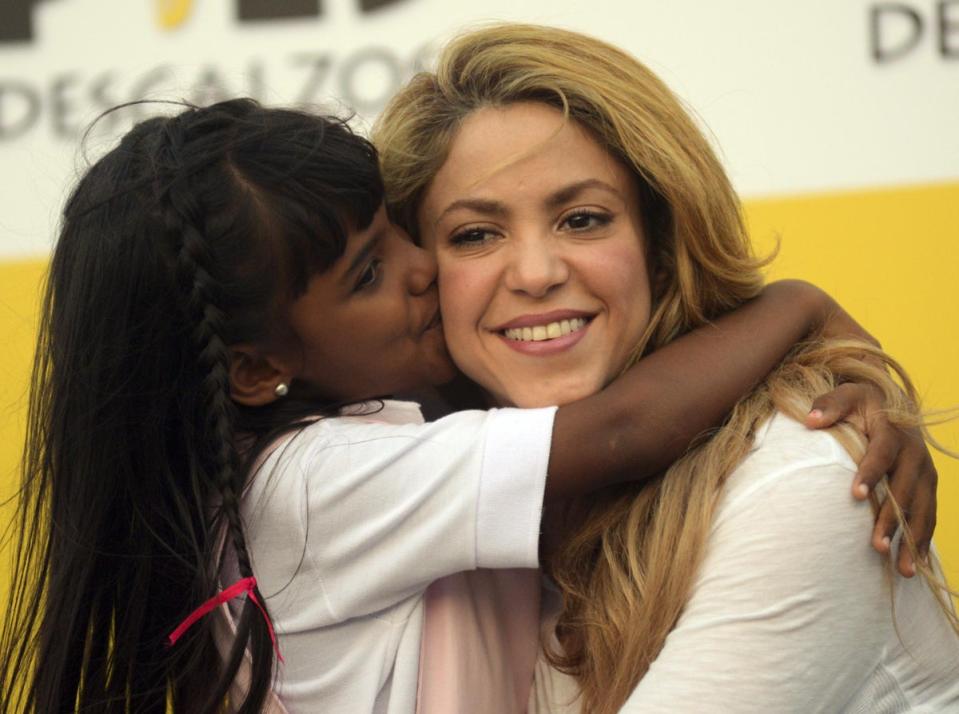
369 276
470 237
585 220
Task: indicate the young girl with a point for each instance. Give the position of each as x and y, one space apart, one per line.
227 298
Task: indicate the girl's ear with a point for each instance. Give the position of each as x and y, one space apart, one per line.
255 376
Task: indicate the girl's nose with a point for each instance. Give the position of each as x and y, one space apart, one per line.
421 269
535 266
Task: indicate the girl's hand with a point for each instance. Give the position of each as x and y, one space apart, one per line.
895 451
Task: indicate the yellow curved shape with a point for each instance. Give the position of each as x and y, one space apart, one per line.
173 13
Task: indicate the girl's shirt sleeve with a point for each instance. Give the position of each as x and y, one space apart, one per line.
358 515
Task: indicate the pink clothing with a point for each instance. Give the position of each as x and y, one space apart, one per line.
225 631
480 642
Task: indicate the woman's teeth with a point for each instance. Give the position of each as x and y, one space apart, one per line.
549 331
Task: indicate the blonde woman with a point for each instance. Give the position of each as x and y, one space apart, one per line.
581 220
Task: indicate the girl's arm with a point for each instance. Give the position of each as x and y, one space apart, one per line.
647 418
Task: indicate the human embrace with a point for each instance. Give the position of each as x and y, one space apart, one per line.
218 472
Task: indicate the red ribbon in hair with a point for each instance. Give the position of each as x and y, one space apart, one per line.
246 585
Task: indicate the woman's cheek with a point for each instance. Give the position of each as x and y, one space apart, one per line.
462 296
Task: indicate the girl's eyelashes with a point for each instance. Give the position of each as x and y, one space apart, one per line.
370 275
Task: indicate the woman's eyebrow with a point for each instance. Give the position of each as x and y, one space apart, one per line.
568 193
480 205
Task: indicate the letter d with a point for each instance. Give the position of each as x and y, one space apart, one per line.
13 124
882 51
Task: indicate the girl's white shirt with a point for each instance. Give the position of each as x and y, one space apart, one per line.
349 520
791 611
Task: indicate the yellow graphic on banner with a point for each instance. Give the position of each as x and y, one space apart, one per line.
171 14
888 256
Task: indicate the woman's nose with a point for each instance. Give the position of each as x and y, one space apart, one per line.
535 266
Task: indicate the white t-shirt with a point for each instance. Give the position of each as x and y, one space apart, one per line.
349 521
791 611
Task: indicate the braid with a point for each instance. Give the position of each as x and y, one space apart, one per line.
218 413
216 419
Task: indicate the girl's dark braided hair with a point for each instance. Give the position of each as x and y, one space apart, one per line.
190 236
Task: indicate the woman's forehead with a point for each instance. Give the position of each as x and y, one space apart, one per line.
512 150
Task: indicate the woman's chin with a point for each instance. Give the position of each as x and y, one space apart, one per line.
534 396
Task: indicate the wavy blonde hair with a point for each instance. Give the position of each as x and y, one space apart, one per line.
627 566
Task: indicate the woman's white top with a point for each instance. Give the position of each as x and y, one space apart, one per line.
791 612
350 520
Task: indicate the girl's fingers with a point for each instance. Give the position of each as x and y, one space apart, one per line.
834 406
917 472
883 453
921 522
885 529
921 518
912 485
898 452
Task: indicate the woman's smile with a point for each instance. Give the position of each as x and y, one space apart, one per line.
541 254
545 334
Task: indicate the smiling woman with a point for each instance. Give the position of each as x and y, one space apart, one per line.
555 175
510 224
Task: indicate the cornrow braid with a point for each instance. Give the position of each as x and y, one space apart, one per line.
183 217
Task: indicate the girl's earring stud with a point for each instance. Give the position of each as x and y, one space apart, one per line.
282 389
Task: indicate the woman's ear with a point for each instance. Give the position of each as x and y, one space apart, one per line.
255 376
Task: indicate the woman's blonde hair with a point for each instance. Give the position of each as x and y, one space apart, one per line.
627 567
694 226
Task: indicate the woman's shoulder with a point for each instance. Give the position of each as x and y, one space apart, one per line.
788 523
781 438
792 465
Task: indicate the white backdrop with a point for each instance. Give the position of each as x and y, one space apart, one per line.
799 96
